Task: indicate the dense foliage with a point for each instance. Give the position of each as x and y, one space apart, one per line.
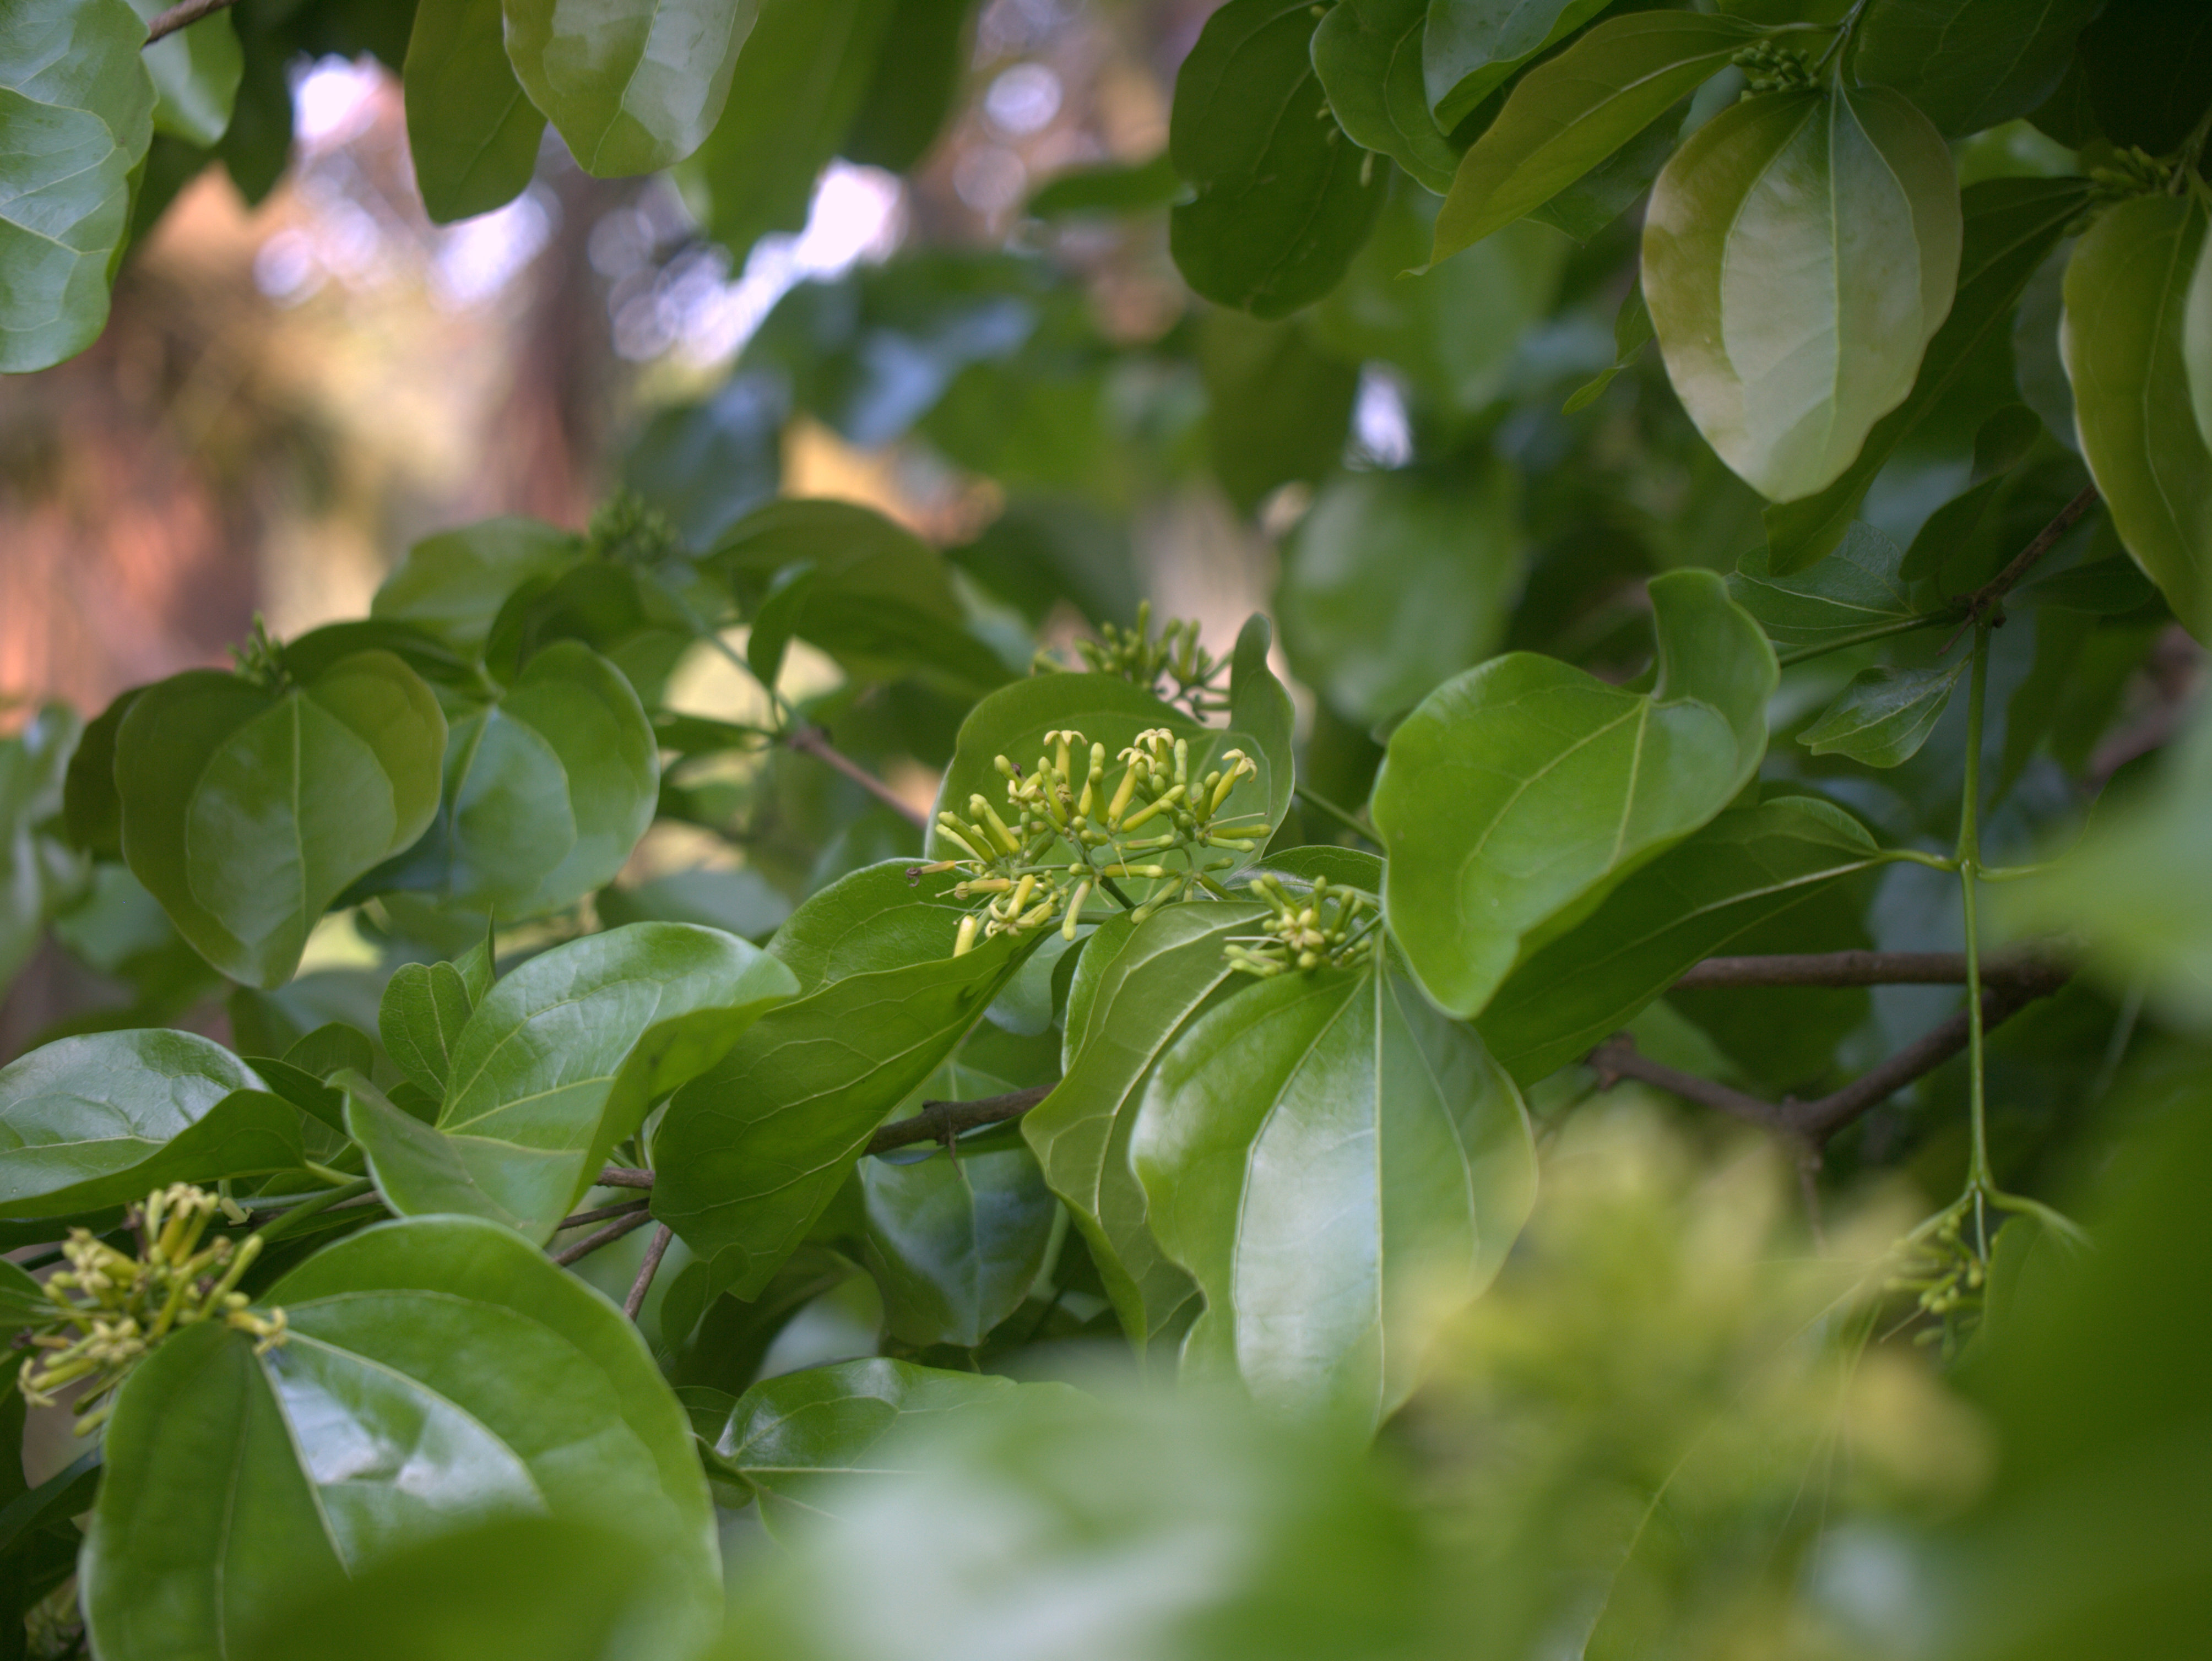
1663 727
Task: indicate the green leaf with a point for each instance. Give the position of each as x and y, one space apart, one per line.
38 873
1472 47
546 792
2127 292
453 584
631 88
2011 224
1800 251
1110 188
246 812
1884 716
1855 593
559 1063
1454 328
196 73
1395 581
2146 66
750 1152
1134 989
798 84
92 810
955 1242
1368 56
425 1006
925 49
1520 793
471 131
1260 707
103 1119
1107 709
1968 64
76 107
1746 869
1283 202
801 1440
1631 333
1570 112
440 1372
741 902
1341 1168
1277 410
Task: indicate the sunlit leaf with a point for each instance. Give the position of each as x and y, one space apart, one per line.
630 88
472 132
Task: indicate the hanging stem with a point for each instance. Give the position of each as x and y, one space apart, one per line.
1970 859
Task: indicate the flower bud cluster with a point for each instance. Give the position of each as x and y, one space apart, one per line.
1121 835
1136 655
1769 67
109 1310
1948 1274
1332 925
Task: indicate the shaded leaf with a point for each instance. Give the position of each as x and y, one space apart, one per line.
1884 716
955 1242
1472 47
917 69
1259 707
1856 592
1631 333
471 131
37 872
1968 65
1518 794
2146 70
196 73
1368 56
453 584
424 1007
1277 410
630 88
1110 189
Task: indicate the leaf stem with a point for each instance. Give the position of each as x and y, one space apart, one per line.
643 1283
182 17
1983 603
290 1222
1881 631
606 1236
815 742
1914 857
1970 856
1329 809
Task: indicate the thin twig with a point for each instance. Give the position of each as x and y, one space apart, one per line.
606 1236
1986 598
1330 810
625 1176
815 742
938 1121
577 1220
654 1254
182 17
1859 968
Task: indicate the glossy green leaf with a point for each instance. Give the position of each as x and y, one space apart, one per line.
1745 870
2127 292
956 1242
1277 409
196 74
424 1007
453 584
1968 64
1800 251
559 1063
1134 989
1107 709
439 1373
750 1152
1518 794
1884 716
76 107
1472 47
925 48
546 791
519 1588
798 86
800 1441
1857 592
472 132
92 810
1283 202
1341 1168
2011 225
246 812
630 88
1395 581
1452 329
1368 56
1570 112
103 1119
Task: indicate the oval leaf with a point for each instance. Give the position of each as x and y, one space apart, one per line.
559 1063
1968 64
196 74
1368 56
1855 593
1800 251
440 1372
452 586
1471 47
472 132
955 1240
246 812
1340 1167
1283 201
1884 716
2127 288
1517 796
631 88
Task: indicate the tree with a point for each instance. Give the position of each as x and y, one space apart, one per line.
1657 720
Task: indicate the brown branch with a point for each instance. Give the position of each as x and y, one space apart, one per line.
939 1121
606 1236
182 17
1869 969
625 1176
654 1254
1986 598
815 742
578 1219
1811 1125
